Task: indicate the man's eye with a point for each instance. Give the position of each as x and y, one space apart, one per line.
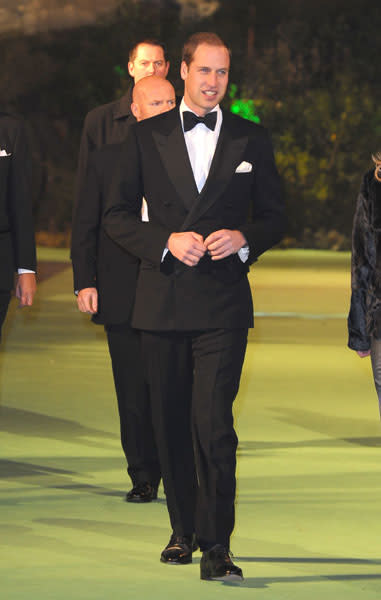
158 63
171 102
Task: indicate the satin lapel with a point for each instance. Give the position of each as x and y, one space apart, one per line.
227 157
174 154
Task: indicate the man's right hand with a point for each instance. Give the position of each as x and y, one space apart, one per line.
187 247
87 300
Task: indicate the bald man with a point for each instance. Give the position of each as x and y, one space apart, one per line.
105 280
152 96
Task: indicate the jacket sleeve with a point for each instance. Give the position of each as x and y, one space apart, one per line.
361 272
85 230
122 216
268 222
20 203
87 145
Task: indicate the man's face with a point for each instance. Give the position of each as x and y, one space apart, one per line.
155 96
149 60
206 78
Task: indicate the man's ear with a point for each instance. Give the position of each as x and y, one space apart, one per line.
135 110
131 70
183 70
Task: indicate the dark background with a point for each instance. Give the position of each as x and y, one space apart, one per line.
311 68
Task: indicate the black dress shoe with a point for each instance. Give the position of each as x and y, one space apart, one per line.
179 550
142 492
216 564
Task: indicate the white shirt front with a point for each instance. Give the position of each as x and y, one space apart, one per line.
201 144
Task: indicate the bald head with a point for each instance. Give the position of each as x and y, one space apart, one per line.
151 96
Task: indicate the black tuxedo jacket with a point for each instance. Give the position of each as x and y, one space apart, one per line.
97 260
155 163
17 246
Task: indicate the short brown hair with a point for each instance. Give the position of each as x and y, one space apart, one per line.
150 42
195 40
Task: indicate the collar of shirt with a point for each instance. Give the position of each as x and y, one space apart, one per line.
201 144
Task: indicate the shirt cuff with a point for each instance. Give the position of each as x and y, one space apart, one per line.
164 254
243 253
22 271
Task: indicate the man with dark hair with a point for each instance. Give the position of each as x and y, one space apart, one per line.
17 246
148 57
202 171
104 125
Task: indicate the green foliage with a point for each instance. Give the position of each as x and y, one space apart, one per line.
244 108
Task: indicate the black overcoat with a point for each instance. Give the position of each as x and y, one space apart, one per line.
97 260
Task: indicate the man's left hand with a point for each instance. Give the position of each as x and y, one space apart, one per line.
224 242
26 289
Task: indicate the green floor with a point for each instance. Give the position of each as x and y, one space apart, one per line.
309 487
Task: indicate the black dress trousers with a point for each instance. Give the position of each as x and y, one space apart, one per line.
136 430
194 378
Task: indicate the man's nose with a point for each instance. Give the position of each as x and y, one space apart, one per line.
212 79
151 69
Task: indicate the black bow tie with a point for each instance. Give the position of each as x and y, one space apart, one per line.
191 120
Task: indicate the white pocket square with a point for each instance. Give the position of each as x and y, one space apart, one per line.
4 153
244 167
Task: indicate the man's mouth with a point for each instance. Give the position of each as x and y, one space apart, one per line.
209 93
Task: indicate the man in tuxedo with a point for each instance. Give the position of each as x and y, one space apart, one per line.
202 171
105 276
17 246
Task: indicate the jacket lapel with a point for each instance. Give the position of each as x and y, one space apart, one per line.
227 157
173 152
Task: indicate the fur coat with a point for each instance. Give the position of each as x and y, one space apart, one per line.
364 320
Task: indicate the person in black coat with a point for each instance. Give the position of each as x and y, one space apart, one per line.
364 320
17 245
105 277
202 171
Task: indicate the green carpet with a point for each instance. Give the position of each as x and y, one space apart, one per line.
309 487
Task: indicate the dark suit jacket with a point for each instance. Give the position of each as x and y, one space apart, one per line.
106 124
97 260
17 246
155 163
